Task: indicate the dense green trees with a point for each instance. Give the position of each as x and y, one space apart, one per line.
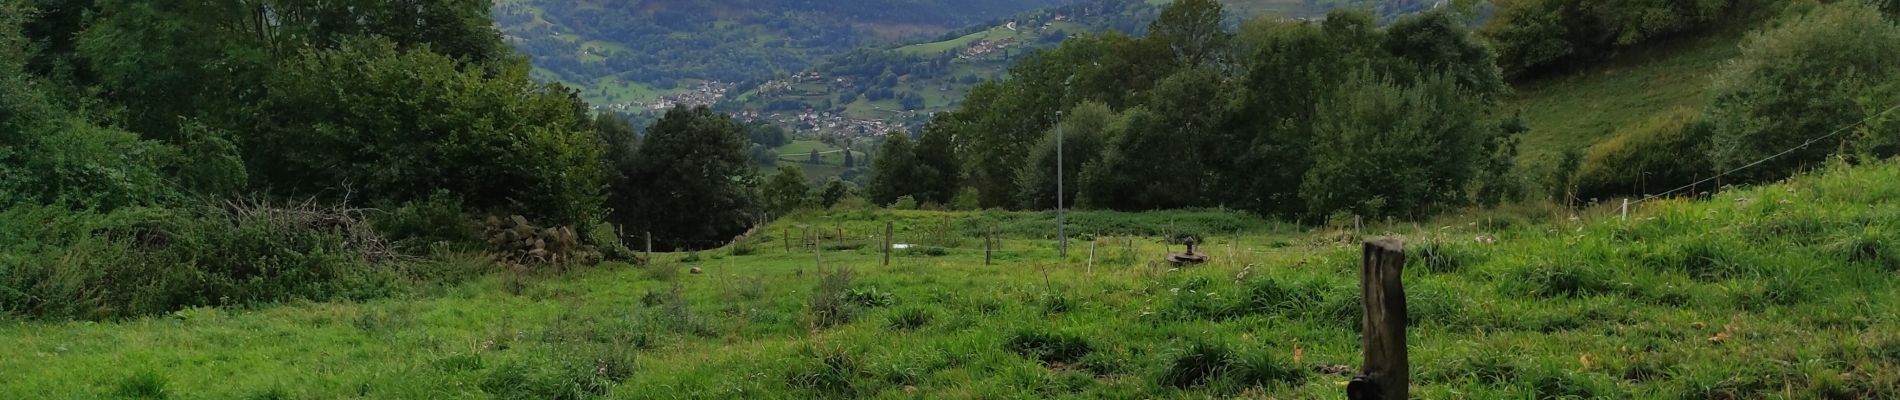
114 104
1819 72
785 191
1536 35
895 173
1085 131
398 125
1268 119
1387 150
695 183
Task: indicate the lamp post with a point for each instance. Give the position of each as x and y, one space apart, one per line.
1062 238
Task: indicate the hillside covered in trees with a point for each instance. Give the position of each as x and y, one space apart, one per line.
1352 116
619 50
372 198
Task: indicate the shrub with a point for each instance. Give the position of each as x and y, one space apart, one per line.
141 261
905 203
1829 68
829 306
1657 155
1048 348
401 124
439 218
869 297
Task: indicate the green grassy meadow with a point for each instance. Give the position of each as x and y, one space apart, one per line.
1782 291
1575 110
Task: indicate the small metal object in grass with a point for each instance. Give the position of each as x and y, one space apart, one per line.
1188 258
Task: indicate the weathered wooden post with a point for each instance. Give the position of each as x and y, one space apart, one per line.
649 246
1385 374
788 240
888 229
1091 267
840 234
989 245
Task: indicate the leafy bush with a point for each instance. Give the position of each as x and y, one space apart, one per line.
140 261
402 124
904 203
1660 154
869 297
1535 35
440 218
1821 71
828 306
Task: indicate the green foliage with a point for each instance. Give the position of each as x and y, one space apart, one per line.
207 61
896 173
1085 131
441 218
397 125
1538 35
786 191
1383 150
828 306
1191 29
141 261
1658 155
1437 43
698 181
939 172
1799 81
833 192
75 164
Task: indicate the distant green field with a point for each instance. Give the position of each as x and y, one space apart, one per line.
610 89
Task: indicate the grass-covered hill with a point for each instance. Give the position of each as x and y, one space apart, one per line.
1786 290
903 81
619 51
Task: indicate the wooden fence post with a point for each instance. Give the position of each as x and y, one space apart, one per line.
788 240
1091 267
888 229
989 245
840 234
649 246
1385 374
